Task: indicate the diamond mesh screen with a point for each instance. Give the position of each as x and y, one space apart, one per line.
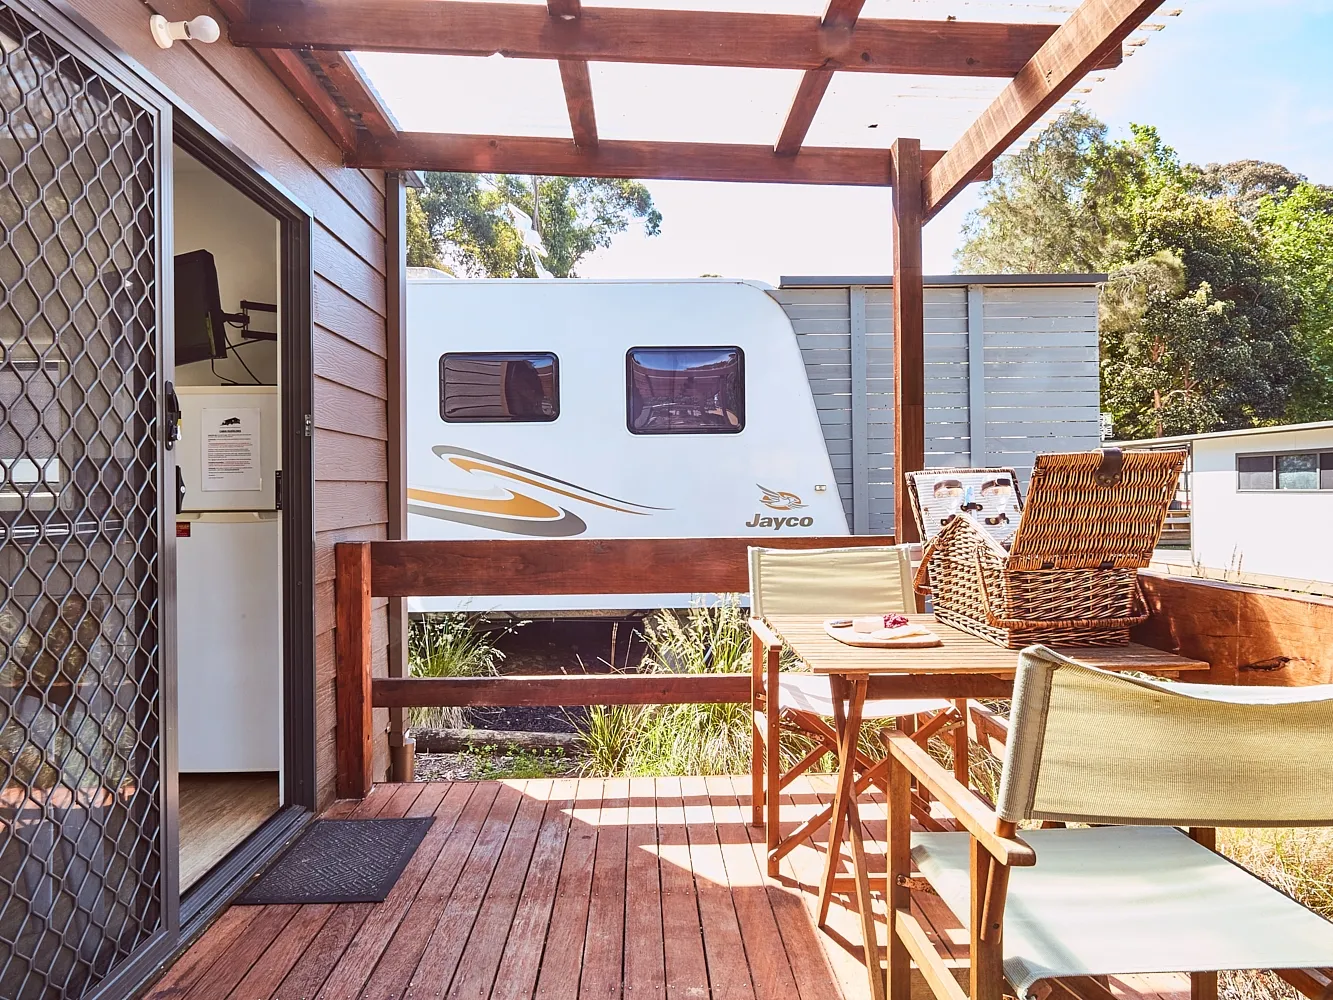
80 728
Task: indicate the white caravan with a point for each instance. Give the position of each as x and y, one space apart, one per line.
709 407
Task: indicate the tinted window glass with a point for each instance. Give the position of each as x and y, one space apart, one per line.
1298 472
1255 472
499 388
687 390
1326 471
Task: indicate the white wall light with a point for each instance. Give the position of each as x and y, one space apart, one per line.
198 29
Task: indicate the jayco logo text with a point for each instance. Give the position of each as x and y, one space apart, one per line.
778 523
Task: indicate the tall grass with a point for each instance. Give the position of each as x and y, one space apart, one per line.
679 739
450 645
1300 863
695 738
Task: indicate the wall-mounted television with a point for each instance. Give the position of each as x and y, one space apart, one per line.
200 322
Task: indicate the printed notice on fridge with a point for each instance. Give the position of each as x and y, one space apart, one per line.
230 443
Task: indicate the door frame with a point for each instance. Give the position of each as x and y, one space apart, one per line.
296 290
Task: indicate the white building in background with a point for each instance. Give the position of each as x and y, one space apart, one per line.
1260 500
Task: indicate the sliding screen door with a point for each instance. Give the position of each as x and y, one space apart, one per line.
83 871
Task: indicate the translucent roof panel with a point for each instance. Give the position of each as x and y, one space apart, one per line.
636 101
470 94
1004 11
691 103
1008 11
873 109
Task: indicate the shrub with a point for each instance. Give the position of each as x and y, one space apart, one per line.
693 738
451 645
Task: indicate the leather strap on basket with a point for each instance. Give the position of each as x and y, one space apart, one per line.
1112 467
1018 623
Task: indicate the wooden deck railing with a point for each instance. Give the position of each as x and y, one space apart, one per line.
1248 635
539 567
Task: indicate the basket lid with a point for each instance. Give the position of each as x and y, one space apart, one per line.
1098 509
991 496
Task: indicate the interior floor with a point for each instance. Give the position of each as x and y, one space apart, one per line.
217 812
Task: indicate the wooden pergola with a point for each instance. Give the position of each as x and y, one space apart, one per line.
306 43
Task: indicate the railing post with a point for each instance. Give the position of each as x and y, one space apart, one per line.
354 733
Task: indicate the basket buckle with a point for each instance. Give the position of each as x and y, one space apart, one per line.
1112 467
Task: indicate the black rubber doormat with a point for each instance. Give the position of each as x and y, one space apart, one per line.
340 861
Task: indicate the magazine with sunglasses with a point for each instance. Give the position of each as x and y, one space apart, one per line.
990 496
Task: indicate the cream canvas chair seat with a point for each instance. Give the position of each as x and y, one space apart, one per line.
798 692
862 580
1065 906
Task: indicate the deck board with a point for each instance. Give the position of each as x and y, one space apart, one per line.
682 933
645 962
565 935
609 889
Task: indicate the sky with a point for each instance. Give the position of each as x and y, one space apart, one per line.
1226 80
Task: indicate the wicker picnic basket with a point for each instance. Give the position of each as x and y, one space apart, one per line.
1070 572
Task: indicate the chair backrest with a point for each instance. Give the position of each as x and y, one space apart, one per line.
1096 509
1092 746
851 581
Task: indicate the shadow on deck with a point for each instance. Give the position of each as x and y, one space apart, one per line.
571 888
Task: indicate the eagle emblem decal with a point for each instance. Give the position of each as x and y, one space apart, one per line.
778 499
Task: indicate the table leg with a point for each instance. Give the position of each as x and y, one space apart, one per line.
962 754
841 689
847 722
864 902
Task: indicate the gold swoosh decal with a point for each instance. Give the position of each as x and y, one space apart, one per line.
515 512
515 505
468 465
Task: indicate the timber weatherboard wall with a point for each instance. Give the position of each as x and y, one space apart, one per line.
1011 371
235 93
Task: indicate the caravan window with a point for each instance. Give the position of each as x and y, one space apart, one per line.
685 390
499 388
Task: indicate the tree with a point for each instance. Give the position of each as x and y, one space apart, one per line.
1036 217
1299 232
421 249
477 221
1200 322
1246 183
1198 331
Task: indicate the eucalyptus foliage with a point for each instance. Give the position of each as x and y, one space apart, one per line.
1217 311
469 221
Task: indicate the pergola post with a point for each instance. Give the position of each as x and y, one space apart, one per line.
909 354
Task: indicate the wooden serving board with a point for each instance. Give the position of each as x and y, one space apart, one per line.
847 634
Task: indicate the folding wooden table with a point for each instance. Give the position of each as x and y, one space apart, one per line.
963 666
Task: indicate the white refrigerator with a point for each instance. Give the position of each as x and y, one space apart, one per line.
229 580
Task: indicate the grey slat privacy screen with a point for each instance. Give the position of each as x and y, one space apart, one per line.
1011 371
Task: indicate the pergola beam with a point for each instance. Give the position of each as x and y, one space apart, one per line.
303 84
349 82
300 82
814 83
1082 43
679 37
693 161
576 81
909 342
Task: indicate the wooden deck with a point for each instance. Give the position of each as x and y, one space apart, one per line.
569 888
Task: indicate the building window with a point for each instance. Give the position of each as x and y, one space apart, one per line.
499 388
1297 470
685 390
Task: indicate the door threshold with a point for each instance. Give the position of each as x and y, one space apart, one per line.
212 893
